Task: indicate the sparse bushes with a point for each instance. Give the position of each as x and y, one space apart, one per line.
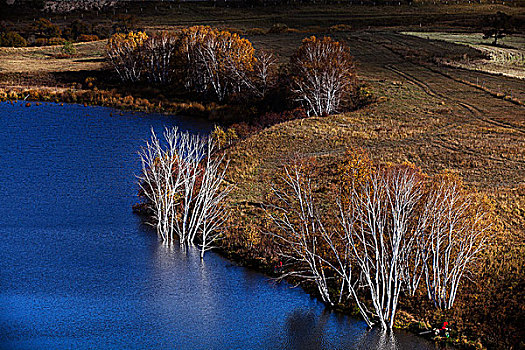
12 39
323 75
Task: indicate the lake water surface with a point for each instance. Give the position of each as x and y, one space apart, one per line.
78 271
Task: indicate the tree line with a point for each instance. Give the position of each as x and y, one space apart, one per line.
223 66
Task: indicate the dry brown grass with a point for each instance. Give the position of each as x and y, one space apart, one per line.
43 59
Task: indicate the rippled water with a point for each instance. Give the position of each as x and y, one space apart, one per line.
78 271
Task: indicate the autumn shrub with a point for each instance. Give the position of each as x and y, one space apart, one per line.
340 28
56 41
12 39
323 76
68 49
224 137
41 42
46 29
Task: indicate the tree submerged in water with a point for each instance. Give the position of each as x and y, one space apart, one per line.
182 184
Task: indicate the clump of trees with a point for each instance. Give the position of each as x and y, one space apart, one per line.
183 189
12 39
43 31
160 52
217 62
390 229
124 51
323 75
225 67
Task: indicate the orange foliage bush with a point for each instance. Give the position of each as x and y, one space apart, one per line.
87 37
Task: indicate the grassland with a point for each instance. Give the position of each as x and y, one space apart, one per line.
436 116
508 58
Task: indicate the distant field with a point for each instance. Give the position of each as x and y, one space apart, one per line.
508 58
89 56
516 41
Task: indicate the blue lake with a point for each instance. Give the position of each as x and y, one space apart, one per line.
79 271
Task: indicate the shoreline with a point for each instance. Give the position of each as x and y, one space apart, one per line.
406 321
105 98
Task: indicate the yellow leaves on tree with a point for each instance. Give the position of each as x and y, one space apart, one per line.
131 40
216 60
125 54
354 172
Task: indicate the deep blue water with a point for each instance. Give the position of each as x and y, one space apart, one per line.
78 271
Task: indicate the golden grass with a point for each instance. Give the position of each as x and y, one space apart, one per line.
508 59
43 59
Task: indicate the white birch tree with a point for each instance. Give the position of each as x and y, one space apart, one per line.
124 52
457 232
160 52
182 181
380 228
323 75
299 230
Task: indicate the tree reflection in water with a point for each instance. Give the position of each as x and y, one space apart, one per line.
307 331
